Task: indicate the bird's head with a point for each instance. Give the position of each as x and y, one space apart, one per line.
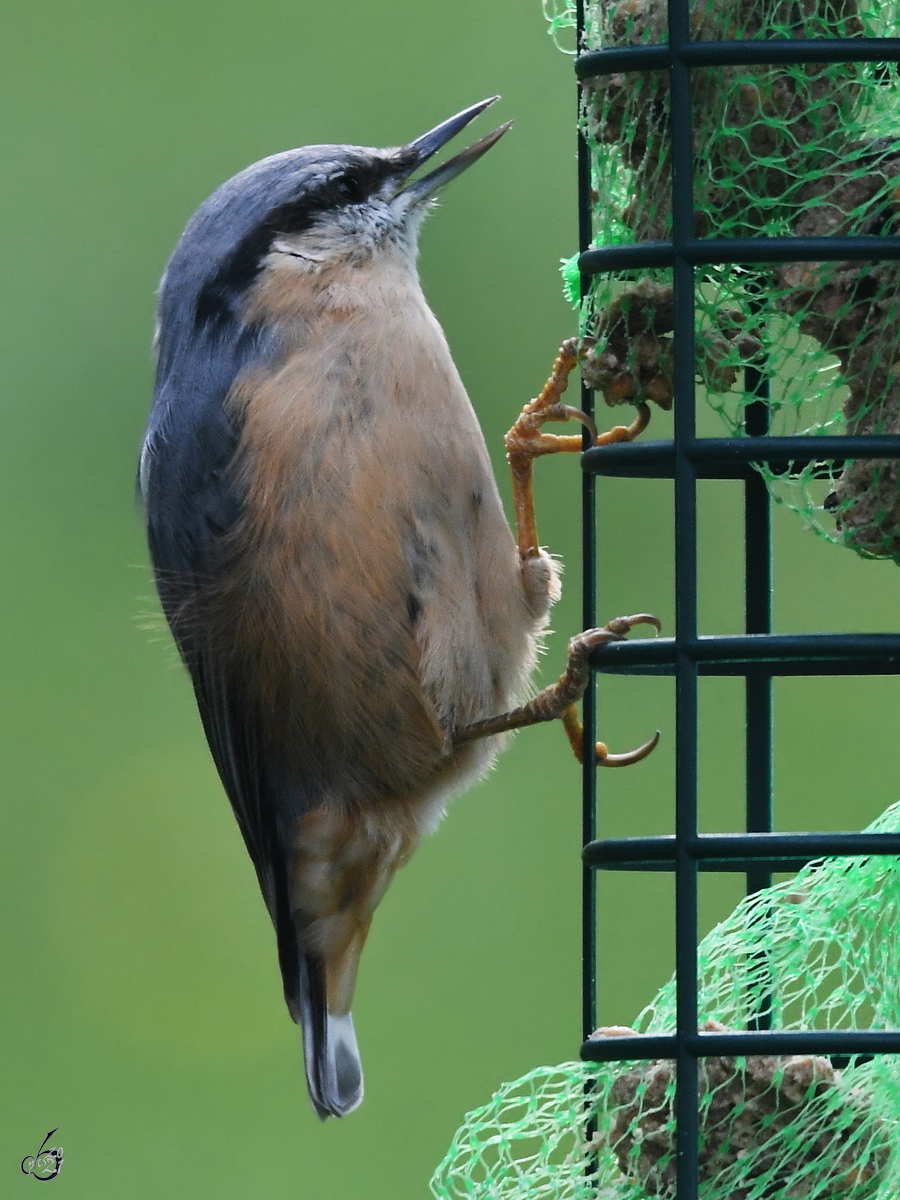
315 208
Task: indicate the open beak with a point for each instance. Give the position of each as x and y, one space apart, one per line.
419 151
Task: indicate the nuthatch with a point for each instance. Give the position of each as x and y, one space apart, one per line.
330 548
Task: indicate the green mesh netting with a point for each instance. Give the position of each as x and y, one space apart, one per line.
808 150
820 951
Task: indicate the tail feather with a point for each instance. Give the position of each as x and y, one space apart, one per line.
333 1068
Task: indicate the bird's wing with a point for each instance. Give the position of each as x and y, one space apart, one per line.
192 503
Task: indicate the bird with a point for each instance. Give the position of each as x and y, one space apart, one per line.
330 548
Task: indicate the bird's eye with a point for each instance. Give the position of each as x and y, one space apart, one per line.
350 189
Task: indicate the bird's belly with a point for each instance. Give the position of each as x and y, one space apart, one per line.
385 579
474 631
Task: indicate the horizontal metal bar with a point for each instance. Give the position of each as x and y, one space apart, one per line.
758 51
637 255
649 465
710 866
770 654
828 668
755 647
615 1049
723 458
652 56
709 251
729 458
735 851
745 1042
762 449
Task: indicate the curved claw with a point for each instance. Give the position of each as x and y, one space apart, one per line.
575 733
605 759
641 420
622 625
569 413
626 433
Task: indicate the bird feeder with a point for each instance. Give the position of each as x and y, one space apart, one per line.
739 189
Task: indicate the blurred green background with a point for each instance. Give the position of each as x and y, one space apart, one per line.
141 1010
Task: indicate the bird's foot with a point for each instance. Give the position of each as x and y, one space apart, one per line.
525 441
558 701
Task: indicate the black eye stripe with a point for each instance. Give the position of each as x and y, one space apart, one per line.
338 192
219 298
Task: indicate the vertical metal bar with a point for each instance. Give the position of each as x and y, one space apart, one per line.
758 619
686 925
758 688
589 619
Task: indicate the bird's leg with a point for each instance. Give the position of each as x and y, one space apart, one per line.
558 701
525 441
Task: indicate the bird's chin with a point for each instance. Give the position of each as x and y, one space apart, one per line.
410 208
